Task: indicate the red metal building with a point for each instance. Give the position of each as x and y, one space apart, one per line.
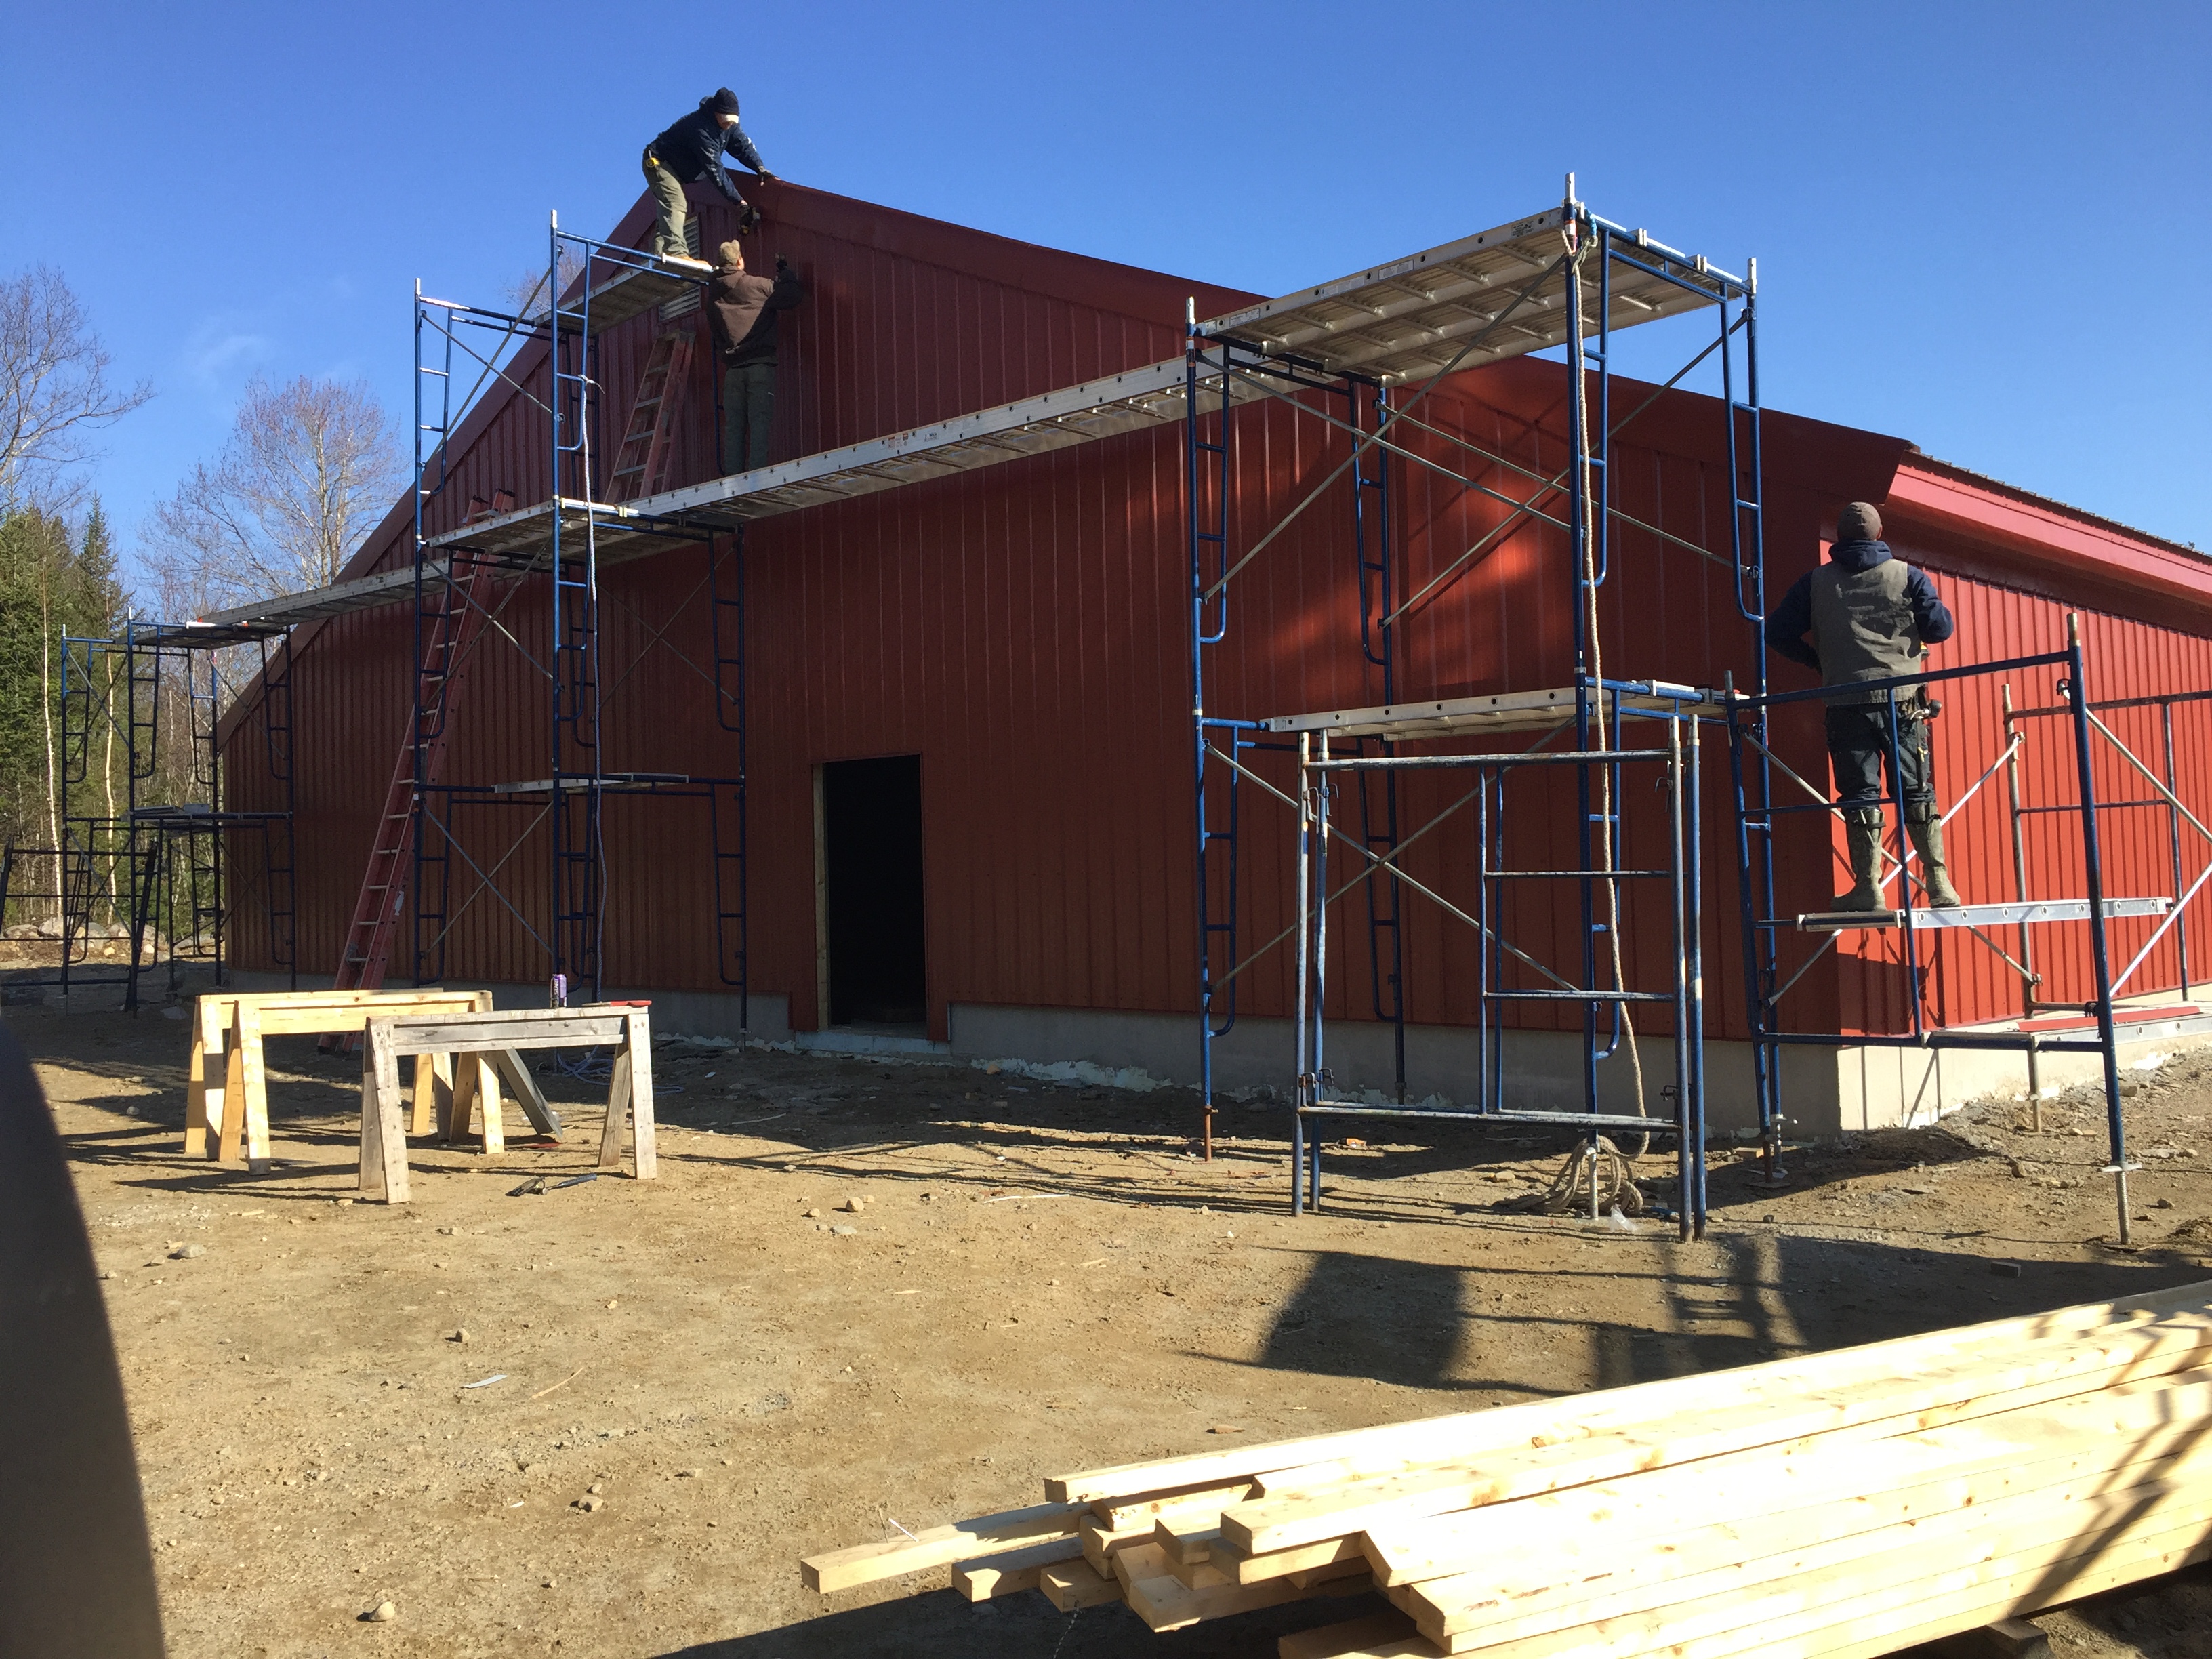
1023 631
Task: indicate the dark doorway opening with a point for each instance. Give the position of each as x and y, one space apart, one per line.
871 890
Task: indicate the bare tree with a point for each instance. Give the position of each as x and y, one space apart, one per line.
309 468
526 295
53 381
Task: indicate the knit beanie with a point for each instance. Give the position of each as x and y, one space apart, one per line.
1858 522
724 102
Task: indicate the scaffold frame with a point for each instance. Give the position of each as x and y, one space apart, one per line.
162 858
1584 277
1759 818
590 286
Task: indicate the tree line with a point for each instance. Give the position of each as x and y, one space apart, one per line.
307 468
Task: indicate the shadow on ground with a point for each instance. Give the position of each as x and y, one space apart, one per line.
943 1624
1429 1325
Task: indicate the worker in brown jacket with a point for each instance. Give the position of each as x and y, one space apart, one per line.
745 309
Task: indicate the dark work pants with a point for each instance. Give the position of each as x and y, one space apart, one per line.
1858 752
748 414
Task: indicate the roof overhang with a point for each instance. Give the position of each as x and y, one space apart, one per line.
2026 537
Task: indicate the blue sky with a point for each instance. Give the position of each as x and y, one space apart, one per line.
1979 227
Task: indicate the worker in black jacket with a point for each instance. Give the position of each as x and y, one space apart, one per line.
1872 618
690 150
745 310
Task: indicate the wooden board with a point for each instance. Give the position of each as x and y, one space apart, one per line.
1078 1585
1983 1459
1100 1543
2035 1371
1165 1603
980 1578
2092 1502
383 1132
340 1018
1187 1540
1438 1440
516 1071
869 1563
1786 1619
504 1029
1876 1636
1242 1569
432 1092
1143 1509
1840 1507
198 1083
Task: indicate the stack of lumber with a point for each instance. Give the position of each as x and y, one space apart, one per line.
1838 1505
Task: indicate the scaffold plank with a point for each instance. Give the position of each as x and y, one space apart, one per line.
1411 319
607 781
1393 322
1512 711
1979 916
1136 399
630 294
263 617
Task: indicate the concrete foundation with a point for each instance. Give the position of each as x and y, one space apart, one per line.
1825 1091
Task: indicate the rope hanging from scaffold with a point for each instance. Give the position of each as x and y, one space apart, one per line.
1577 252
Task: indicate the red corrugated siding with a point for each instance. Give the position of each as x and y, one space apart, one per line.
1023 628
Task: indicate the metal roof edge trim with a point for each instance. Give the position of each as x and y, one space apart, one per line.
2065 512
2044 534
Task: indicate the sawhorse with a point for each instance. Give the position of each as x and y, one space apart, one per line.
625 1026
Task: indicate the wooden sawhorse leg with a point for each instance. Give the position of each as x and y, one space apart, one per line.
476 1081
434 1091
383 1128
203 1084
630 1094
245 1093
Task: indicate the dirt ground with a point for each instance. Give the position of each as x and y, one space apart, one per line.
1041 1278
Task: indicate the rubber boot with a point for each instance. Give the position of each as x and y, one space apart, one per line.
1927 842
1863 833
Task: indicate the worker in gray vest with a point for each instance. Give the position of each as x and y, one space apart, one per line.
1872 618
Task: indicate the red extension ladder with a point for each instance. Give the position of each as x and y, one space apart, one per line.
648 447
450 630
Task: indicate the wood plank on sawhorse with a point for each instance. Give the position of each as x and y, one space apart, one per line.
469 1038
225 1090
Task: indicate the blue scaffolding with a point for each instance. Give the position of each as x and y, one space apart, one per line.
467 578
1373 347
1921 928
162 855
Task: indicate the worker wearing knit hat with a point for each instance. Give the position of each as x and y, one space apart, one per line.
1872 618
744 311
691 149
